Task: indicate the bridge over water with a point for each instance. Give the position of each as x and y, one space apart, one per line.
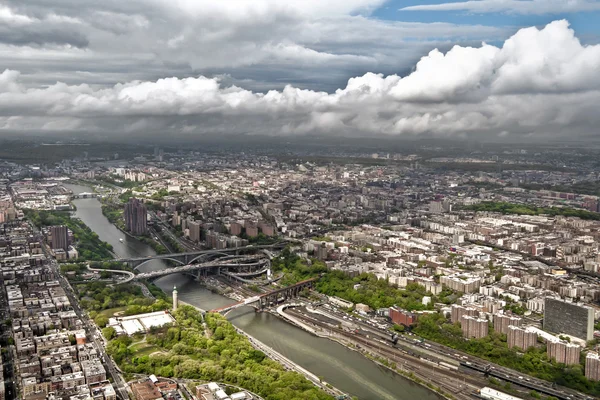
197 256
273 297
196 270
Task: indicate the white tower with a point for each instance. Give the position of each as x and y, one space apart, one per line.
175 302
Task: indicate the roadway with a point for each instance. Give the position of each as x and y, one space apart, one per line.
130 274
234 262
196 253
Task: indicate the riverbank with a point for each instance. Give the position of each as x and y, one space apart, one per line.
287 363
372 356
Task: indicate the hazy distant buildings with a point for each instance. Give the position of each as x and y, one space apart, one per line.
60 237
519 337
463 283
571 319
136 219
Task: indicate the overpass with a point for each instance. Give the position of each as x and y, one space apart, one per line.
194 256
231 261
273 297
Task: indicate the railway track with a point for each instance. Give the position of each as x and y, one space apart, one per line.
460 384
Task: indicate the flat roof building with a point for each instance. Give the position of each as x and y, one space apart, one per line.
564 317
592 366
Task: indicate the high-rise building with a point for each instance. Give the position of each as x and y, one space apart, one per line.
251 229
194 228
459 311
503 321
563 352
592 366
569 318
60 237
322 252
521 338
473 327
136 217
235 229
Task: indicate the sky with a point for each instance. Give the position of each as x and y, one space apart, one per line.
489 69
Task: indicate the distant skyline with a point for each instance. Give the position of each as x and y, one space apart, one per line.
488 69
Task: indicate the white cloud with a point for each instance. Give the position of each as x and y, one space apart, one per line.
263 40
541 82
512 6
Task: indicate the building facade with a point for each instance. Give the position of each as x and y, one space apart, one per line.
502 322
459 311
136 217
520 338
569 318
563 352
473 327
60 237
592 366
194 228
402 317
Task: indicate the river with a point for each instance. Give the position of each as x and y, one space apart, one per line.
342 367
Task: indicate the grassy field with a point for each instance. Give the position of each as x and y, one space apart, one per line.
143 349
109 313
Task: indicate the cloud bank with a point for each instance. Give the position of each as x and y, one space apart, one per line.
512 6
541 82
266 43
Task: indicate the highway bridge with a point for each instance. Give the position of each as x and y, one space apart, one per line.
197 256
229 262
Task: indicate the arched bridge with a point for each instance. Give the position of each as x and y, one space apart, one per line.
273 297
191 257
229 262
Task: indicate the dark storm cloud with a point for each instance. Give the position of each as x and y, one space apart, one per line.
41 35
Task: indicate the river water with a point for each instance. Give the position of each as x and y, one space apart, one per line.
343 368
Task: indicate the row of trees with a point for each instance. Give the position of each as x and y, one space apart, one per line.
295 268
97 296
114 214
376 293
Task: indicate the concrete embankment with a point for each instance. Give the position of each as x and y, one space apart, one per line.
297 322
